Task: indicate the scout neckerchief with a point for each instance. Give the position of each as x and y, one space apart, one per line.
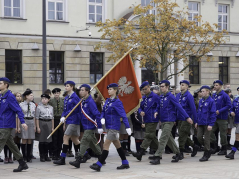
28 110
67 99
237 103
203 100
181 96
216 96
58 103
146 100
108 103
1 95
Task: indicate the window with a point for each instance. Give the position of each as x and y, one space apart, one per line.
193 70
193 10
222 17
13 8
223 69
149 75
13 62
96 67
56 10
96 10
56 70
148 2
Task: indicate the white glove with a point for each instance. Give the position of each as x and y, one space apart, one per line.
62 120
102 121
100 131
128 130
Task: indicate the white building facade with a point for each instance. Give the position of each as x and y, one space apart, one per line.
70 49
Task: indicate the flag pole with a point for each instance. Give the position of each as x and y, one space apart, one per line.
90 90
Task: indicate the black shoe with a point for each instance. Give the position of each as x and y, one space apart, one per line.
152 157
47 159
95 167
195 150
205 156
1 160
76 163
123 166
42 158
61 161
181 157
33 157
177 158
231 155
156 161
223 150
85 158
22 166
139 154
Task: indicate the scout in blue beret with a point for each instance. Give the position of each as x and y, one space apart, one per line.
57 138
111 115
205 87
218 81
145 83
44 125
205 121
112 85
70 83
186 100
90 120
86 86
164 81
234 111
72 123
223 104
148 107
168 107
184 81
10 106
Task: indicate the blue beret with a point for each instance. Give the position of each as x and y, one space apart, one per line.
86 86
70 83
55 90
205 87
218 81
184 81
237 88
112 85
164 81
145 83
5 79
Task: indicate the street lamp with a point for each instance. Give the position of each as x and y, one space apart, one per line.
44 69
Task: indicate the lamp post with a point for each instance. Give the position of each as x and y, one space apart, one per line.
44 69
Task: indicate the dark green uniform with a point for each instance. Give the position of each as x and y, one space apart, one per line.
57 138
